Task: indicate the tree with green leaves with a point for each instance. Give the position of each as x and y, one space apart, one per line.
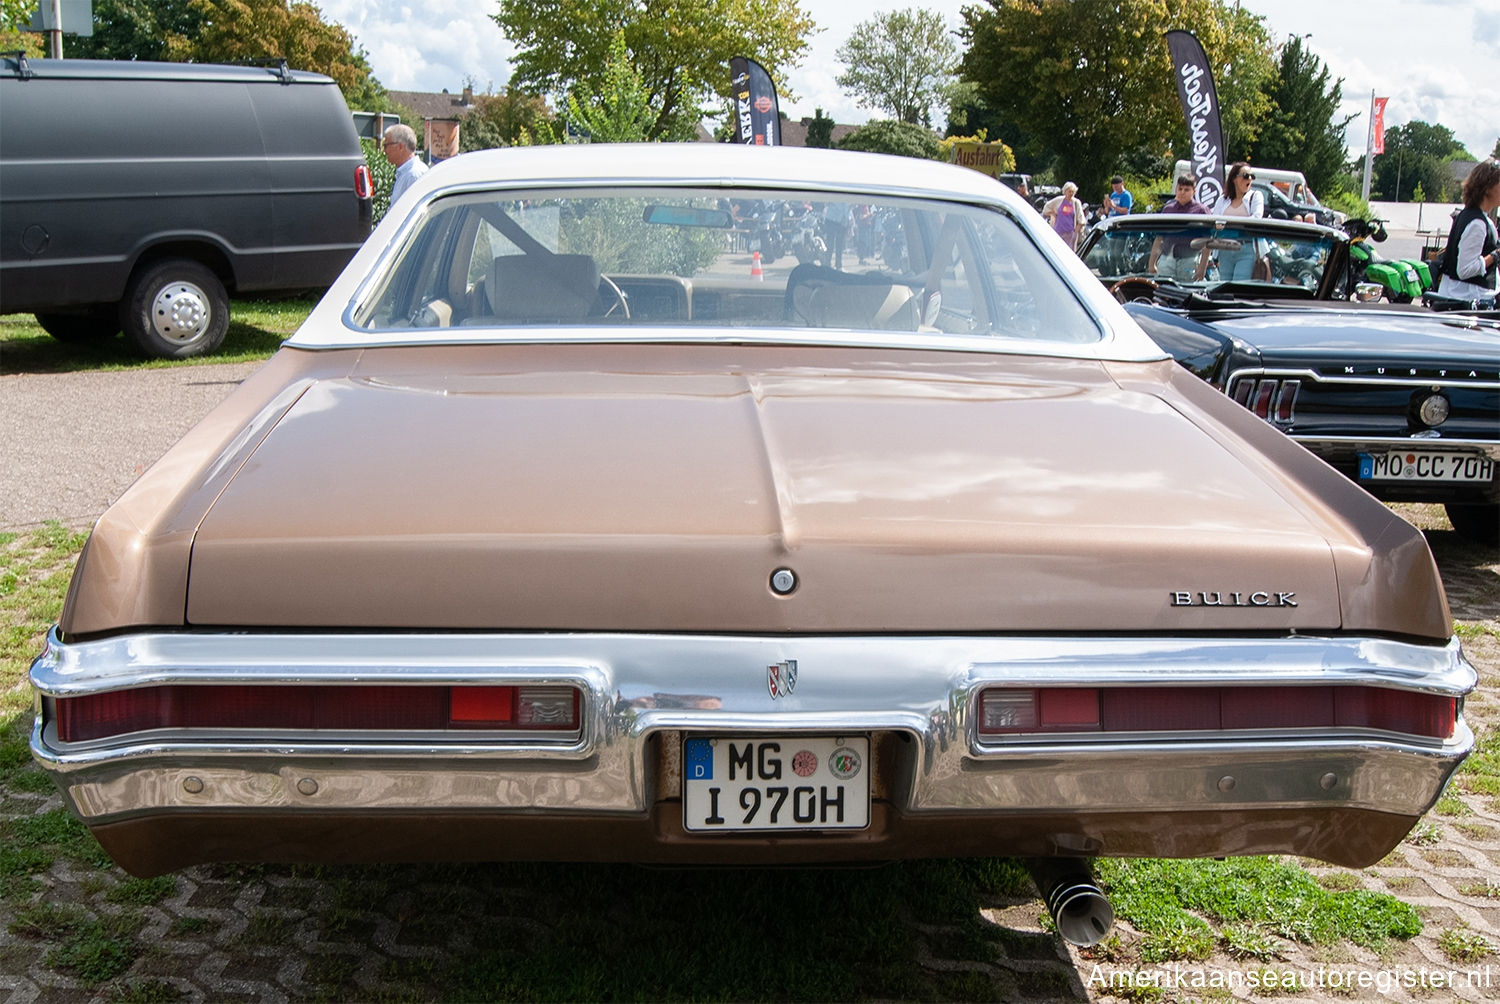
905 139
1303 131
900 62
1091 80
820 131
622 112
233 31
139 29
509 118
681 48
15 15
1416 153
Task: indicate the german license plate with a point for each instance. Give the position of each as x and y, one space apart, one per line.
1423 465
775 783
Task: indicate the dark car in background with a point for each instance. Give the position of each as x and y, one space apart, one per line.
138 196
1402 401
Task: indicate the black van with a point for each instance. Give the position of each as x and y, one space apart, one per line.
138 195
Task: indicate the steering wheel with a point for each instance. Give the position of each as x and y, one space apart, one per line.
1135 288
617 294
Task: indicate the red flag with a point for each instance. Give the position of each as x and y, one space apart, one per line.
1380 124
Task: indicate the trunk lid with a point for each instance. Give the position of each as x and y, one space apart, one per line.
657 488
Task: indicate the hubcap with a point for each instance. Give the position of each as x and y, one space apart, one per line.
181 312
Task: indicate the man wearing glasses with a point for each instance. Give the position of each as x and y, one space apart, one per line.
400 147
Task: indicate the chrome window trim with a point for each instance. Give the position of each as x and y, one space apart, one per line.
1113 343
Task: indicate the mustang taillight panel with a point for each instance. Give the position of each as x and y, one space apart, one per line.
319 708
1271 399
1017 711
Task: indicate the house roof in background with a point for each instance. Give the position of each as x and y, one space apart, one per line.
441 105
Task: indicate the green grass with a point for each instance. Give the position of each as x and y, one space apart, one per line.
1172 901
256 329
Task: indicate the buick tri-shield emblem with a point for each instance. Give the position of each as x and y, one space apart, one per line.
781 678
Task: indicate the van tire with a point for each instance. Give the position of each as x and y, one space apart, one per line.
97 322
175 309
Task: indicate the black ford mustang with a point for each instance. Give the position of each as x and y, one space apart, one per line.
1403 401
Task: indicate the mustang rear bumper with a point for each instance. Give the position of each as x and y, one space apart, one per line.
160 800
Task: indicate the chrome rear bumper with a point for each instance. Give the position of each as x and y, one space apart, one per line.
640 687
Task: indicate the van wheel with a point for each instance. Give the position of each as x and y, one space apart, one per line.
1479 523
101 321
176 309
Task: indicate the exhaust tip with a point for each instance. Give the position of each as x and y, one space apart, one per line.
1079 908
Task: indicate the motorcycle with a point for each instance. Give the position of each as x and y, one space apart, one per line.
1400 281
801 236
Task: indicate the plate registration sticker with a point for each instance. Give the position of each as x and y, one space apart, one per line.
1424 465
775 783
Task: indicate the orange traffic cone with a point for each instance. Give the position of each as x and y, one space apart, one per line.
755 272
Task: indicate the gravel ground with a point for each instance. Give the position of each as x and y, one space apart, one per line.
70 443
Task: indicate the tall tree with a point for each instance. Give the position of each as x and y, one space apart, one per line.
901 63
1090 80
1303 131
681 48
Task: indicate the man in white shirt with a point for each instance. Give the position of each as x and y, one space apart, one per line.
400 147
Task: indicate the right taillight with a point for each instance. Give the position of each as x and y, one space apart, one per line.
364 187
1013 711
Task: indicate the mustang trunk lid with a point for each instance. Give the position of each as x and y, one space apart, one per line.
659 488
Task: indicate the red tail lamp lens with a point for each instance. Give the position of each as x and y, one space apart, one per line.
364 187
356 708
1015 710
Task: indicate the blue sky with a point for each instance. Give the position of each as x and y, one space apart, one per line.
1437 60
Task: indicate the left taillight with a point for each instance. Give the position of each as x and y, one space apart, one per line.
364 187
1018 711
532 709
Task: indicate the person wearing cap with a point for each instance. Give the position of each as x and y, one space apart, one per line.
1119 200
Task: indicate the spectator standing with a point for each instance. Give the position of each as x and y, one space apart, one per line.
1240 198
1065 213
400 148
1174 257
1119 200
1469 262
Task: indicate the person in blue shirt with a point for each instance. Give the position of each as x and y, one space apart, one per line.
1118 201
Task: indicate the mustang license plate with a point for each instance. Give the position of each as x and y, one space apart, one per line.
1413 465
776 783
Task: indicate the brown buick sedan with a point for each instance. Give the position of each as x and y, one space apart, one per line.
702 504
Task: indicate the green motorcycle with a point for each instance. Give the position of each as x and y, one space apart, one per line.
1400 281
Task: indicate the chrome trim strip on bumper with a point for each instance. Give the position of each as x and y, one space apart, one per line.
640 686
1366 444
